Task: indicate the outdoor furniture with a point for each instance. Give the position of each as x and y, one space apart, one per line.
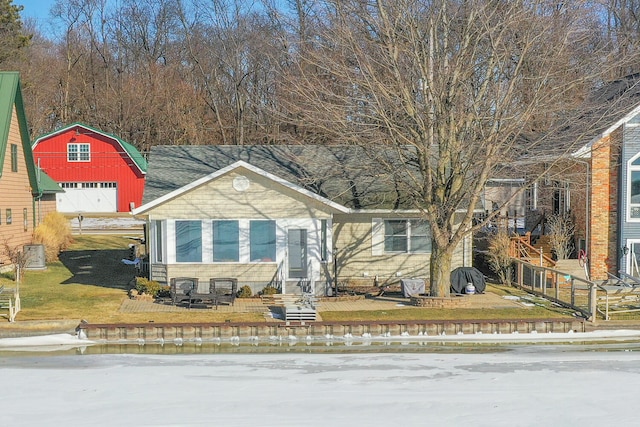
412 287
621 295
223 290
10 301
294 307
181 288
202 294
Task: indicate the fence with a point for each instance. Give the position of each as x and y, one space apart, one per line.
562 288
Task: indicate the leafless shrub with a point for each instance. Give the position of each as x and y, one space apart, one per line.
561 229
498 255
18 258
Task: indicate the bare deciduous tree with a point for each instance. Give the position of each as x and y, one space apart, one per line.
456 88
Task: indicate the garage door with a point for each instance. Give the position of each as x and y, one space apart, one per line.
88 197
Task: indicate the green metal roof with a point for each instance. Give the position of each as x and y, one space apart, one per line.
46 184
10 96
132 151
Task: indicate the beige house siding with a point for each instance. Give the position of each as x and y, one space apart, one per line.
359 263
219 199
16 196
46 204
261 200
259 197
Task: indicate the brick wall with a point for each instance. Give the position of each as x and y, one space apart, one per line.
605 157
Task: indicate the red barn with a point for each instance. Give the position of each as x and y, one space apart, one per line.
99 172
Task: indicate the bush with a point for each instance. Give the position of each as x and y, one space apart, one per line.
560 230
499 256
245 292
150 287
54 232
269 290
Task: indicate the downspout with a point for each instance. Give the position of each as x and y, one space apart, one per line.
620 253
587 211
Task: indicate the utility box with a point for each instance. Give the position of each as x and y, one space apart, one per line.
36 258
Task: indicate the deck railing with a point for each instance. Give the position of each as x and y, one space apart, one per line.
522 249
562 288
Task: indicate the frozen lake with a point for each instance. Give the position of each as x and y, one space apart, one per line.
593 383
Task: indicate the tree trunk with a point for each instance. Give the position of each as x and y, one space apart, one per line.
440 271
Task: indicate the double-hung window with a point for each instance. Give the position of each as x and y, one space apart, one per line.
226 241
407 236
633 198
78 152
188 241
262 241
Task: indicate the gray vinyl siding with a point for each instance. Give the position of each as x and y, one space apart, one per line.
630 148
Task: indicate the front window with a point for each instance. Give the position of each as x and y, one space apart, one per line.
403 235
78 152
634 188
9 216
188 241
14 158
262 236
226 241
395 236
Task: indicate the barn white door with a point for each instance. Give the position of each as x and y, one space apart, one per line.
87 200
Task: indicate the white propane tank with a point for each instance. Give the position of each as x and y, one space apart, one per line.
470 289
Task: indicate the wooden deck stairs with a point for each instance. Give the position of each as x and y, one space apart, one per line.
540 254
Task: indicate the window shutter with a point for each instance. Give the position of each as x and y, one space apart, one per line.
377 236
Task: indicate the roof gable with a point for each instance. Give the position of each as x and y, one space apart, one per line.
618 103
10 98
131 151
235 166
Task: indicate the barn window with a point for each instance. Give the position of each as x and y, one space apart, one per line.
78 152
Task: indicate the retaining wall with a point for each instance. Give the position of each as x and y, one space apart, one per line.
245 331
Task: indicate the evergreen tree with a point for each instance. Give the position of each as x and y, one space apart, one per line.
12 37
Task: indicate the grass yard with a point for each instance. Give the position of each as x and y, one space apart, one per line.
90 282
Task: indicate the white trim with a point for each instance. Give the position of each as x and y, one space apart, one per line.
585 150
627 198
239 164
377 236
630 256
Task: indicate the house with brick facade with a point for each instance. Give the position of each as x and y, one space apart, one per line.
613 181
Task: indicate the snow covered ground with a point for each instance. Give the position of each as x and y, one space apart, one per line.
523 385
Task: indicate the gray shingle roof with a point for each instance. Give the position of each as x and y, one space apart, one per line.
343 174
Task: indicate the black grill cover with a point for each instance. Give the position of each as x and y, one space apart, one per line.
463 275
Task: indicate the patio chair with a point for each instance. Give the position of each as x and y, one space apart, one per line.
181 288
224 290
